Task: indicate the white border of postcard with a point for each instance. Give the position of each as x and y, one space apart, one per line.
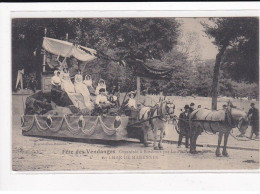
110 180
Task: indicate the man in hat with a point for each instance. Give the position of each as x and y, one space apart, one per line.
131 101
254 120
129 105
192 107
101 101
184 127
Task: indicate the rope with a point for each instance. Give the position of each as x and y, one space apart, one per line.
39 126
48 127
248 139
71 129
90 131
107 130
26 129
59 126
176 128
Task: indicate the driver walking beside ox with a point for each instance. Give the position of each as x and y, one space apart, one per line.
184 126
254 120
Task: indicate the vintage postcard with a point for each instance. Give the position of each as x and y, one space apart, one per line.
135 93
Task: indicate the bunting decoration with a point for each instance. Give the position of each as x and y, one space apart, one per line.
143 70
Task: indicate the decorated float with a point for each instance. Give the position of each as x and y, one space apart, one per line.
51 113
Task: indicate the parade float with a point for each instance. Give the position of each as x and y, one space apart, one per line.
63 118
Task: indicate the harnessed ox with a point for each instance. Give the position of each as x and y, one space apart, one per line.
221 121
156 118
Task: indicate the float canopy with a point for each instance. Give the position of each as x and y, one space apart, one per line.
68 49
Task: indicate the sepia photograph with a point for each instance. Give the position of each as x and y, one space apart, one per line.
135 94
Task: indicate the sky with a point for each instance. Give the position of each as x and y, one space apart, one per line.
192 25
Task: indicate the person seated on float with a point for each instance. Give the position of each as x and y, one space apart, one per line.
66 83
101 84
56 80
101 101
131 103
114 96
130 106
88 83
82 89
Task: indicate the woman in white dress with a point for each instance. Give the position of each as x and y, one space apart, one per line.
66 83
55 80
88 83
101 84
81 88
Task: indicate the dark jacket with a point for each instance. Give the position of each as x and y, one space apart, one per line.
253 113
191 110
184 123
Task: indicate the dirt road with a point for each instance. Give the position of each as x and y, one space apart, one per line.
40 154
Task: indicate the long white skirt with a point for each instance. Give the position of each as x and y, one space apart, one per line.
68 86
83 90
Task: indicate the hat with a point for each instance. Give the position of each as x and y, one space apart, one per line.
56 72
132 92
102 90
252 104
88 77
192 104
101 81
186 106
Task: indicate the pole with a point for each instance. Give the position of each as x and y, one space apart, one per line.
44 53
138 88
22 89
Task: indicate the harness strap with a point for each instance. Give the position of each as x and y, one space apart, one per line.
144 114
195 113
205 121
210 125
229 118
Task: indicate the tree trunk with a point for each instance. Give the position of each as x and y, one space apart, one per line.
215 78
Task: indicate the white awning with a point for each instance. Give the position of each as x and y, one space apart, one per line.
67 49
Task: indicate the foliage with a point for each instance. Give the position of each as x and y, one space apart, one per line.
129 38
158 42
240 36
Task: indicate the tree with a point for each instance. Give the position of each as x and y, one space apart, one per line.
128 38
229 33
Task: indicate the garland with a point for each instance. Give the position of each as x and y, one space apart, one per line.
71 129
26 129
107 130
90 131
